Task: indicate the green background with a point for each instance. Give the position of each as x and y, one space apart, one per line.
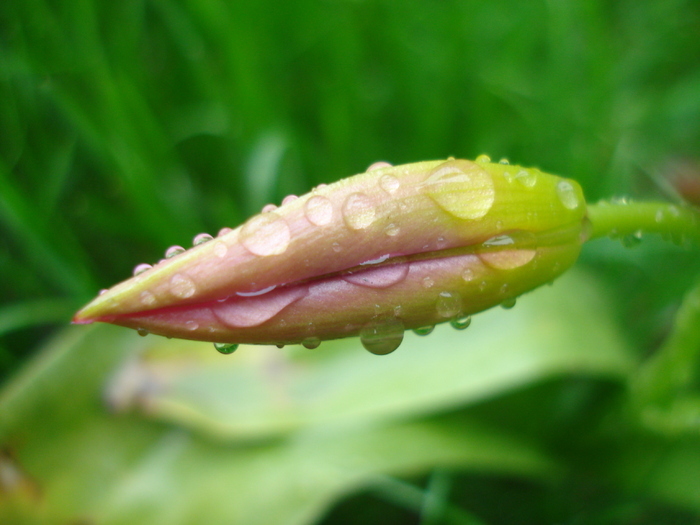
127 127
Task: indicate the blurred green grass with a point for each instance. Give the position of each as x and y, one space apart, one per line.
126 127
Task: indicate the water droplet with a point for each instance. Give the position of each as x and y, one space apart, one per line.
201 239
173 251
191 325
428 282
508 303
567 195
507 252
632 240
378 260
336 247
319 210
246 312
311 343
449 304
147 298
378 165
268 208
382 336
288 199
483 159
226 348
498 240
104 290
220 249
182 286
483 285
381 277
673 210
468 274
527 178
142 332
392 230
266 234
504 161
462 188
224 231
142 268
424 330
257 292
586 230
389 183
358 211
461 322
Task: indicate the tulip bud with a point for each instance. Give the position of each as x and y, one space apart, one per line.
395 248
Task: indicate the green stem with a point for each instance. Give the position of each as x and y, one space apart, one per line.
621 219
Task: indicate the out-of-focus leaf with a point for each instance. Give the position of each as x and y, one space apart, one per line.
263 391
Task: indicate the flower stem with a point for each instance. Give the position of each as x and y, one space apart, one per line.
620 219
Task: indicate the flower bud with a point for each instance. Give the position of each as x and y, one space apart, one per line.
391 249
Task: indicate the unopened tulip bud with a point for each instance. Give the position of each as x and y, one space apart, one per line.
395 248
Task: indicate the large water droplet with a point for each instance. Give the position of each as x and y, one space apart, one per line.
382 336
173 251
461 322
244 312
378 165
182 286
266 234
507 252
567 195
527 178
358 211
381 277
389 183
449 304
311 343
424 330
462 188
201 239
319 210
226 348
142 268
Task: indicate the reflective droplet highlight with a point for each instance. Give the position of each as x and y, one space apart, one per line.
142 268
358 211
448 304
311 343
319 210
567 195
266 234
462 188
201 239
191 325
424 330
182 286
382 336
461 322
173 251
468 274
226 348
392 230
389 183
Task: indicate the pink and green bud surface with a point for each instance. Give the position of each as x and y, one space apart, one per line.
394 248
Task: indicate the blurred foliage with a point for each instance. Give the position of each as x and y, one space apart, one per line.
126 127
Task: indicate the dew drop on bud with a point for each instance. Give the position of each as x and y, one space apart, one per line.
226 348
358 211
392 230
142 332
173 251
449 304
424 330
201 239
191 325
504 161
526 178
142 268
319 210
508 303
461 322
182 286
382 336
567 195
288 199
266 234
220 249
483 159
147 298
311 343
389 183
224 231
378 165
